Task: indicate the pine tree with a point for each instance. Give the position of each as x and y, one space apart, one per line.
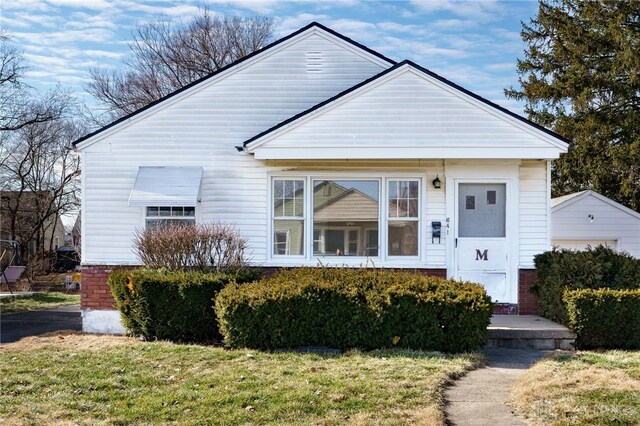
581 77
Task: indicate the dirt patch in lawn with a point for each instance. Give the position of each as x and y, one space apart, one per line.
68 339
585 388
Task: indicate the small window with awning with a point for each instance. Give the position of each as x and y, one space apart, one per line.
166 186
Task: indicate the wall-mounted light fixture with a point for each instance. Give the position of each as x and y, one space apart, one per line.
591 217
436 182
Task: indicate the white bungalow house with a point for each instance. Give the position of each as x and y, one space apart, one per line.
587 218
318 148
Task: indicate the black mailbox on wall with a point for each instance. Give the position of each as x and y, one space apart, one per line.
436 229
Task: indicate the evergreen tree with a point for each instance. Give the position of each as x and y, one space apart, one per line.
581 77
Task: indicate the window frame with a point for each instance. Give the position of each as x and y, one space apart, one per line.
383 220
272 218
417 218
146 217
346 177
285 242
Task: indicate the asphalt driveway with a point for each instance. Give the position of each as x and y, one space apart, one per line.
14 327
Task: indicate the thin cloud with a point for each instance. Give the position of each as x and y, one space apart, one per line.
83 4
103 54
292 23
41 19
30 5
485 11
411 29
454 24
94 35
418 50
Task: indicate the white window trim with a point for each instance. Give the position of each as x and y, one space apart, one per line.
286 242
310 224
418 219
145 217
272 218
383 258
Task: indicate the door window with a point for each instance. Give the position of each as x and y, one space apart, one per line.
481 210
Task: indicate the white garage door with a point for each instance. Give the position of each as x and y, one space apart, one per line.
582 244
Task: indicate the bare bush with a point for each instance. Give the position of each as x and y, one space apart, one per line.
212 246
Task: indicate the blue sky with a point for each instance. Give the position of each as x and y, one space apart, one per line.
473 43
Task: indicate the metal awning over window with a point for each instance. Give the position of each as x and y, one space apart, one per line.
166 186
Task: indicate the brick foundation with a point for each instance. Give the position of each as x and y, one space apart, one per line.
527 301
95 293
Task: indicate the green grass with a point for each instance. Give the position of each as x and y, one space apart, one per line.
585 388
37 301
117 380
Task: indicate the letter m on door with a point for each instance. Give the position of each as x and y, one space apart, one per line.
482 255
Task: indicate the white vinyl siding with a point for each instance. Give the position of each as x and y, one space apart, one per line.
203 126
202 130
420 115
583 245
609 223
534 205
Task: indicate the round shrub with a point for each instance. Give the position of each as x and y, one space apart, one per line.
354 308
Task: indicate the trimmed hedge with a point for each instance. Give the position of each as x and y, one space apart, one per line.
171 305
561 270
354 308
605 318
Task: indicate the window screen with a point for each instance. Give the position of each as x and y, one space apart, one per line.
481 210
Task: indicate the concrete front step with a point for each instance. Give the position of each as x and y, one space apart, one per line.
528 332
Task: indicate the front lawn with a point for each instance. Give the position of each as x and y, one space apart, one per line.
37 301
90 379
585 388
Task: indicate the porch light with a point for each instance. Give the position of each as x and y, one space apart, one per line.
436 182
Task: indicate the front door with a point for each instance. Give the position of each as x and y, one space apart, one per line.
481 236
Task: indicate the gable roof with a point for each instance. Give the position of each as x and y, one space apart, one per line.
555 139
312 25
560 203
562 199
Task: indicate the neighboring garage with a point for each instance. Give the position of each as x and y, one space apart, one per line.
587 218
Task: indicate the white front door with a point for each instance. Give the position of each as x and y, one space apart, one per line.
481 249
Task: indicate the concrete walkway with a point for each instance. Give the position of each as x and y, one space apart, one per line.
478 398
15 326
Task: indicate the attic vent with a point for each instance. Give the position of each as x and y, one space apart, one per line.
314 62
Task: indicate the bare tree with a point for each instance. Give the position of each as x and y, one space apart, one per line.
166 56
39 182
18 107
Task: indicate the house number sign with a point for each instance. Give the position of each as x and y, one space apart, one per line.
482 255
